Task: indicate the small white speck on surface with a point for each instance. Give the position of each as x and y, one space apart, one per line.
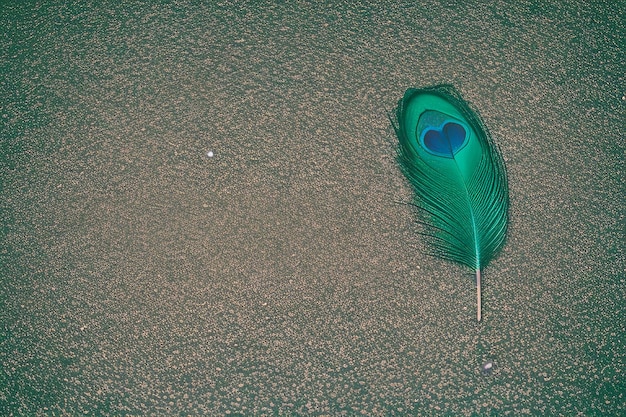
487 367
209 154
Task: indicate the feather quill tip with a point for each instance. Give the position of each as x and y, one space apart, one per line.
478 296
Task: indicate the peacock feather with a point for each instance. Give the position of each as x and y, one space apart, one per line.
458 176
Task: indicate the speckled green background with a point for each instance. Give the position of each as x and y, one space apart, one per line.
285 276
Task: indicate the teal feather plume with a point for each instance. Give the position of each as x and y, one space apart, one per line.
457 174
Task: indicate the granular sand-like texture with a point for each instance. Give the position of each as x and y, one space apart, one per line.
284 275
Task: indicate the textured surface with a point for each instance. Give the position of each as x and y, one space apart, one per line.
280 276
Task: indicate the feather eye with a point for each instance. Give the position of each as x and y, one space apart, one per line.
457 174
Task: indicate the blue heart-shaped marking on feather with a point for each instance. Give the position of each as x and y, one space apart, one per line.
445 140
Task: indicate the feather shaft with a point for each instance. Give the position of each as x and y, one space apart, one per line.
478 296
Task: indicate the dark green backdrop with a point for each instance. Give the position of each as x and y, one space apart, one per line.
284 275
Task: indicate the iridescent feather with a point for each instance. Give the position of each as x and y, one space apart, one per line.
458 176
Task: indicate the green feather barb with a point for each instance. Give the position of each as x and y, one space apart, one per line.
458 176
